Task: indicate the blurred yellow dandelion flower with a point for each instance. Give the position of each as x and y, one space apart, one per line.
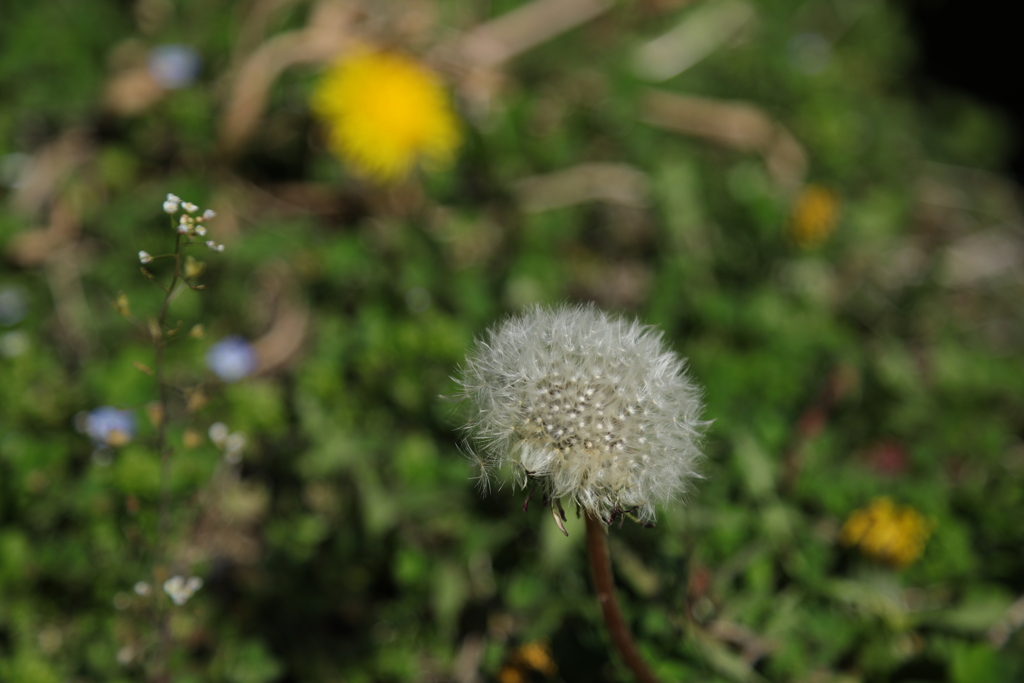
384 113
537 656
510 674
887 532
525 661
814 217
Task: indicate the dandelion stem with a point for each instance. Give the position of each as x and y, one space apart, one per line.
604 586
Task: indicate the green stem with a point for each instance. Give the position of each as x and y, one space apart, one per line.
604 586
165 452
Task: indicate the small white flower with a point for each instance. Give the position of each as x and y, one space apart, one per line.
14 343
184 224
588 406
189 206
180 589
142 588
144 257
125 655
233 446
220 248
171 203
209 213
200 230
218 433
211 244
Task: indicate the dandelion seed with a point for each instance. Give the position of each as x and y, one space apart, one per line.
515 378
385 112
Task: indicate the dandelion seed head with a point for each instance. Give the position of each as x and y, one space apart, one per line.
384 113
595 408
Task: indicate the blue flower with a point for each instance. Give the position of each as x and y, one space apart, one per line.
231 359
174 66
109 426
12 305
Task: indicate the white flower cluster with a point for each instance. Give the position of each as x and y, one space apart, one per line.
590 407
188 222
232 443
181 589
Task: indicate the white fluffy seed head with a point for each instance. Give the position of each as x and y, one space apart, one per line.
592 407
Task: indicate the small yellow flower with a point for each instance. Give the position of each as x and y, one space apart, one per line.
815 214
887 532
510 674
537 656
534 657
384 113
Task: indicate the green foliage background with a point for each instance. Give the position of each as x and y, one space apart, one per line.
363 551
